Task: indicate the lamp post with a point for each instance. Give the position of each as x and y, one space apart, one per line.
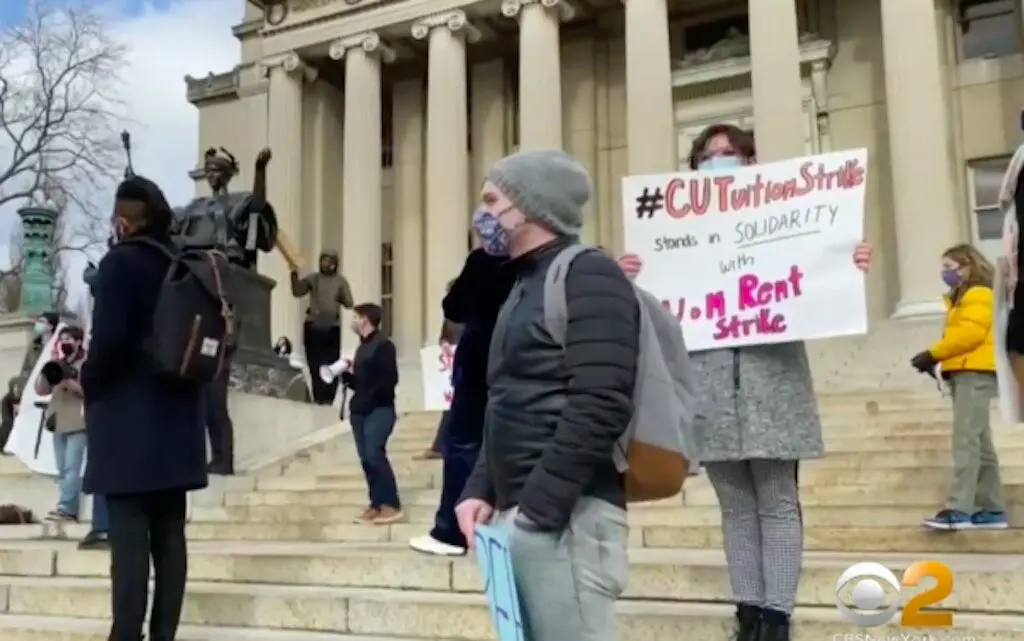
38 222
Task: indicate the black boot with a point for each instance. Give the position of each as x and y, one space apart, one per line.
774 626
748 623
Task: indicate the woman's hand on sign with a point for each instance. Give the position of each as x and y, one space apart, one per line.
862 255
471 513
631 265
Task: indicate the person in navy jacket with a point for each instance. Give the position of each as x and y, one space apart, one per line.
146 435
474 300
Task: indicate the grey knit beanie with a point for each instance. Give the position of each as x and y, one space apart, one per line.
549 186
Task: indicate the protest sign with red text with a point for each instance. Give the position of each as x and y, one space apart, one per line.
436 365
754 255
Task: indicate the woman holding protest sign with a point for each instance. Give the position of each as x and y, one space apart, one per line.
762 419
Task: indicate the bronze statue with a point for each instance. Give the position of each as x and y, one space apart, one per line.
240 224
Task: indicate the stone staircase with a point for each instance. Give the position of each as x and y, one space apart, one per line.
275 555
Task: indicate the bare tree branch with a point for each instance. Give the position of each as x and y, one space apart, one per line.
59 143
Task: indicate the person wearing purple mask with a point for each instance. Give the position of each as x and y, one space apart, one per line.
473 300
966 353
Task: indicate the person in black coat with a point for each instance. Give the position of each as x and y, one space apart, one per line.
473 300
146 435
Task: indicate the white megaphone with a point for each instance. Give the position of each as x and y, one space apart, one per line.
330 372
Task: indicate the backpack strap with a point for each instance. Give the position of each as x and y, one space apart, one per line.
556 314
149 242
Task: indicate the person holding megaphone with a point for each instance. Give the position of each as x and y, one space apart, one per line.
59 380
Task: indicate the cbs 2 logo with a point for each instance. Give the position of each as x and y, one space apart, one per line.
867 593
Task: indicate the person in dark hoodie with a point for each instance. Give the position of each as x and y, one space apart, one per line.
474 300
328 292
147 443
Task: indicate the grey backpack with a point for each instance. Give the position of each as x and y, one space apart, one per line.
659 445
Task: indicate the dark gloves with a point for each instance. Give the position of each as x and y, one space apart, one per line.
924 362
347 379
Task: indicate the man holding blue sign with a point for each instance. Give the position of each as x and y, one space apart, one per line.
558 544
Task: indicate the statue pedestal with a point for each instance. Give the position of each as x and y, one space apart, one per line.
256 369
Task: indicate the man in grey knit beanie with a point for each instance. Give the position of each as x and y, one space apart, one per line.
548 187
555 406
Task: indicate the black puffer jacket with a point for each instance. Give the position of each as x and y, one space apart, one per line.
553 415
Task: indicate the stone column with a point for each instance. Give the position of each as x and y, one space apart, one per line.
650 117
919 146
775 74
447 153
287 75
361 190
487 119
407 121
540 70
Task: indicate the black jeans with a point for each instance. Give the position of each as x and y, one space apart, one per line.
462 438
371 433
323 347
144 526
219 425
438 443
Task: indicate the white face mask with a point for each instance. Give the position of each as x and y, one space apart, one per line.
721 162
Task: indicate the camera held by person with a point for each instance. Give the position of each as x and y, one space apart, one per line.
65 366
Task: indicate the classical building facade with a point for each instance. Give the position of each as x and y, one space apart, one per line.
384 115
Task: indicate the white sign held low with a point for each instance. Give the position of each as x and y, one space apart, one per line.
754 255
30 441
436 365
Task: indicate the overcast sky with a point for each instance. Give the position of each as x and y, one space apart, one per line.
167 39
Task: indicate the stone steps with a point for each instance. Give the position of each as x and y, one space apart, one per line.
824 472
386 592
668 575
843 489
639 621
275 556
866 529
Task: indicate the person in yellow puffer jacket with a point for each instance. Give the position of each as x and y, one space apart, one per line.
967 356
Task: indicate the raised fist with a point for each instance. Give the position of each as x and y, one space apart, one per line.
263 158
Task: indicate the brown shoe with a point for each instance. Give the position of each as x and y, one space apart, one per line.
427 455
387 515
368 515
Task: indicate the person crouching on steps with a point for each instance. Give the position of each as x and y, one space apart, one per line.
372 379
967 355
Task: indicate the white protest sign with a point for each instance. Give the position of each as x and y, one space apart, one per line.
436 365
29 441
754 255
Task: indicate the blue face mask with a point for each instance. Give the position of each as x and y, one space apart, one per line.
951 277
493 235
39 328
720 162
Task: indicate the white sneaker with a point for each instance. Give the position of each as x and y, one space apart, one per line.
429 545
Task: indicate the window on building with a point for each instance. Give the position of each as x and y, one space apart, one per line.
387 302
705 35
989 28
985 177
387 146
512 106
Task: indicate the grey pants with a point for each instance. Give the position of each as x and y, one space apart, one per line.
568 583
762 530
975 484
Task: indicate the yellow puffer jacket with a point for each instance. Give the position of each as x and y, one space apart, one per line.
967 343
